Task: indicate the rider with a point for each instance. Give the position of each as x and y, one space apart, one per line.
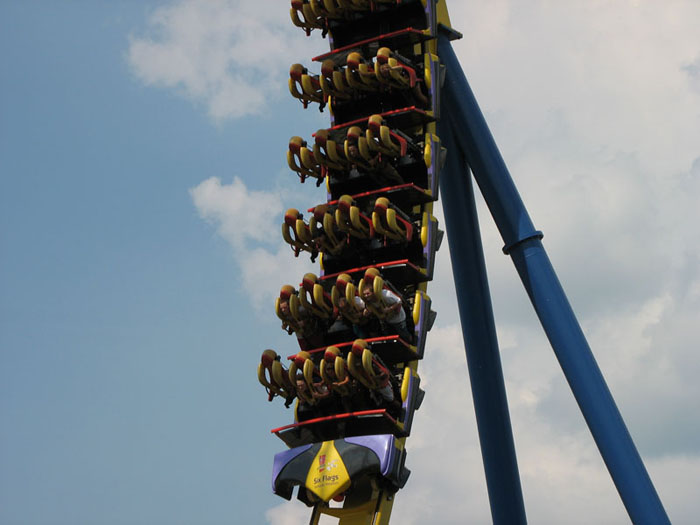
377 163
394 319
384 394
304 326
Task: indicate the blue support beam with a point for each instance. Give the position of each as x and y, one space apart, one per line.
524 245
479 333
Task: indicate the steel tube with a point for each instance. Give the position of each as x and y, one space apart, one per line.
480 341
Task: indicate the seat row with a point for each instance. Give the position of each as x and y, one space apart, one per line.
374 149
372 296
313 14
386 71
331 226
301 311
312 379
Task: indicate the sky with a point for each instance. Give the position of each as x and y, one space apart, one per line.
143 176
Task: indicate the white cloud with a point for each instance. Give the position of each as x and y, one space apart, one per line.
250 221
240 215
595 67
230 55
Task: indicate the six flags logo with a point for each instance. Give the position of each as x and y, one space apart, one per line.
322 463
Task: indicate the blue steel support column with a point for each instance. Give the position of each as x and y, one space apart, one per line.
558 320
479 333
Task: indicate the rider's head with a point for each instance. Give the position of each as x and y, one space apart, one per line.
330 354
359 346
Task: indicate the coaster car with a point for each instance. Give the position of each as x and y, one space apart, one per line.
415 158
375 149
348 75
352 389
349 470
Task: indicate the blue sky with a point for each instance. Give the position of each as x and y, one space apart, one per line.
143 181
122 330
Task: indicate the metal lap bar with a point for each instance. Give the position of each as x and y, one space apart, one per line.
325 235
382 139
313 298
408 349
303 394
360 68
404 36
274 377
301 160
296 232
332 81
363 413
325 229
349 219
396 73
303 16
385 217
382 266
310 91
387 190
328 153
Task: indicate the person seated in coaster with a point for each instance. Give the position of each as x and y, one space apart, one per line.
370 371
304 409
335 375
349 306
314 391
375 163
391 71
296 319
387 306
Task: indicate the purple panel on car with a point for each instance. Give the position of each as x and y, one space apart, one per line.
427 249
283 458
420 328
381 444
